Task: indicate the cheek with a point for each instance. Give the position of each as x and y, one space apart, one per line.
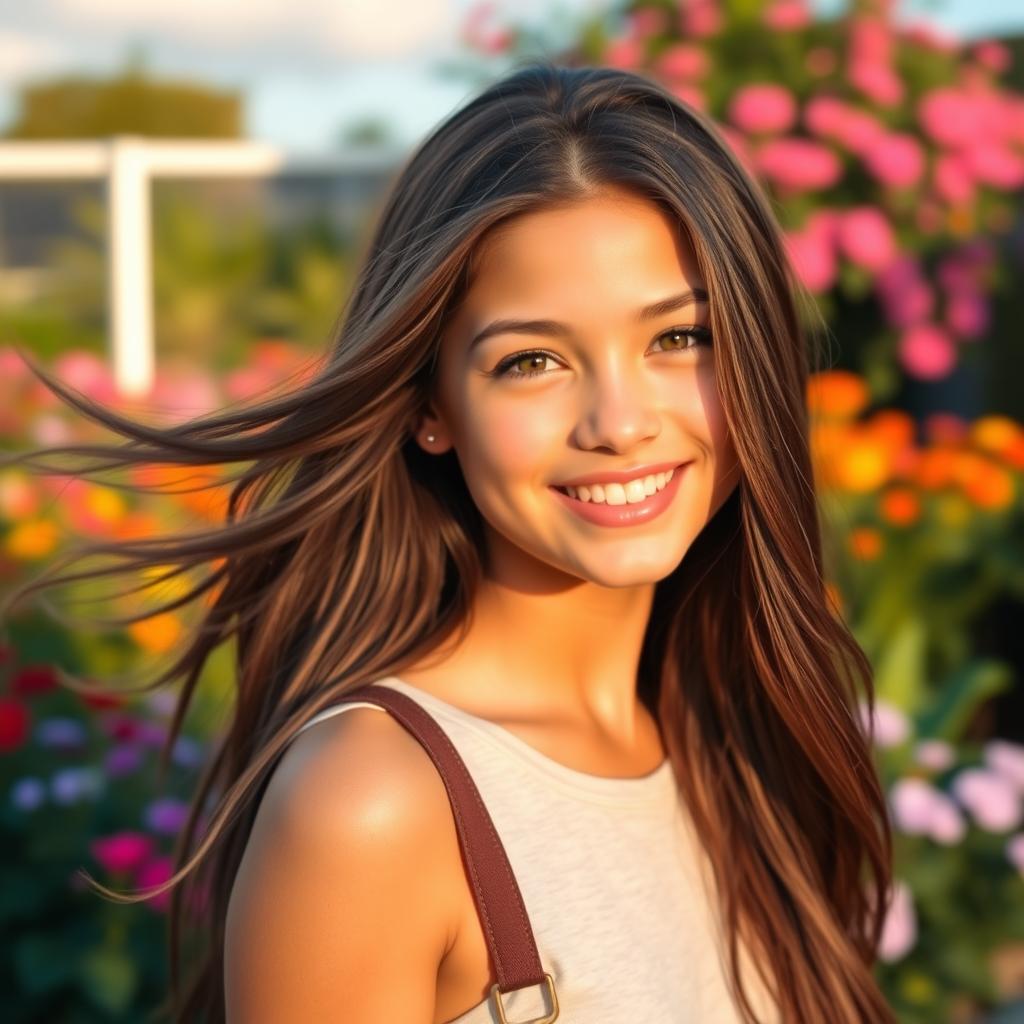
513 437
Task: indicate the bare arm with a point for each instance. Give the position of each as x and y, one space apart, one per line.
337 912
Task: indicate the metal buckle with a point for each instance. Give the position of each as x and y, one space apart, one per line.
549 1019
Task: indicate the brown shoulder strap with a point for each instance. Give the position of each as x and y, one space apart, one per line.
498 900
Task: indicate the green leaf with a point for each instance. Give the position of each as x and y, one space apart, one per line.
960 696
900 668
110 979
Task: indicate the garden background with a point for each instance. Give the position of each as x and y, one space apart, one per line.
894 156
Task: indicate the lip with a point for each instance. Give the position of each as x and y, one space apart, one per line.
621 476
625 515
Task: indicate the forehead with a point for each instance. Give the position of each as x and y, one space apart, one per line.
608 246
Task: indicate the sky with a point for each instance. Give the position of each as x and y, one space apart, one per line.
309 69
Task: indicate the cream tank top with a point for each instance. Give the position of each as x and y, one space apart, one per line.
614 882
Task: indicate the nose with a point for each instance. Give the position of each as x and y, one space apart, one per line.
620 410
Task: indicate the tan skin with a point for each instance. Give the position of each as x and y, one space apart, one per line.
352 892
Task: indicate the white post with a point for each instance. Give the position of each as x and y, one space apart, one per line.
130 275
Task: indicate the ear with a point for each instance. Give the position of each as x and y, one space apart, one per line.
431 434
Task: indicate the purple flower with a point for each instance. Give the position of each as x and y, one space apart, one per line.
921 809
187 753
70 785
166 816
124 759
899 933
992 799
61 733
1006 759
29 793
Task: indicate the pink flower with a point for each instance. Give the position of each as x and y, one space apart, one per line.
700 18
786 15
798 164
877 81
947 116
152 873
763 108
899 932
123 851
823 115
683 60
918 808
967 314
870 38
867 238
896 159
86 372
906 296
953 179
994 164
626 54
646 22
926 352
937 755
813 259
689 94
993 801
888 727
1006 759
992 55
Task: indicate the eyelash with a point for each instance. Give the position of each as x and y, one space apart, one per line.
702 334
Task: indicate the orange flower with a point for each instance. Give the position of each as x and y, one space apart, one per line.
894 426
137 524
18 498
158 634
836 393
864 464
986 484
900 506
865 543
996 434
35 538
935 468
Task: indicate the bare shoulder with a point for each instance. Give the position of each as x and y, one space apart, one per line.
344 894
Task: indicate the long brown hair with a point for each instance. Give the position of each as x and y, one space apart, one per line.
347 552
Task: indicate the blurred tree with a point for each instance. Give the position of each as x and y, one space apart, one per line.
132 102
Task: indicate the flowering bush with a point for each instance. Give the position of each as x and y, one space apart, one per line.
79 791
891 151
80 788
923 537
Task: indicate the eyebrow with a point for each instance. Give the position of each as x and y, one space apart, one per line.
558 329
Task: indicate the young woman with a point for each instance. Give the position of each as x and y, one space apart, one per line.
553 483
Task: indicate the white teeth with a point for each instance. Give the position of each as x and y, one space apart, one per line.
615 494
635 491
622 494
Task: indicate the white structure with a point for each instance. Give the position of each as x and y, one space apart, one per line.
129 163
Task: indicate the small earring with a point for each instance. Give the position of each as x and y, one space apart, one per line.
430 438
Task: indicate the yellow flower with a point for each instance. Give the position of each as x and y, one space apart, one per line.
864 464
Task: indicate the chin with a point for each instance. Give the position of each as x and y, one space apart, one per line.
629 573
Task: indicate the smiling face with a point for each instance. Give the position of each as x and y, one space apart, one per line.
615 386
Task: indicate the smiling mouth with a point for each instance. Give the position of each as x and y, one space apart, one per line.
634 492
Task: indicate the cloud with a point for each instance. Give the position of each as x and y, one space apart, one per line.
23 55
359 28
